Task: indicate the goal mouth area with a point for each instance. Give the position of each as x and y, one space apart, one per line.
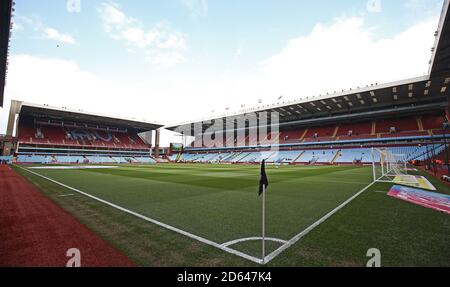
388 166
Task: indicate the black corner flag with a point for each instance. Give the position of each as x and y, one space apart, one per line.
263 181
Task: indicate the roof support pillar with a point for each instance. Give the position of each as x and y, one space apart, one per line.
157 140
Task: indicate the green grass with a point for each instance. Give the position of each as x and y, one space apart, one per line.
220 203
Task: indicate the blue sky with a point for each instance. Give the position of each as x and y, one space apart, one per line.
199 57
214 32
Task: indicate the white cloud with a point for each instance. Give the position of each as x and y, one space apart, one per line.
165 59
346 55
112 15
63 83
162 45
43 31
53 34
342 55
197 8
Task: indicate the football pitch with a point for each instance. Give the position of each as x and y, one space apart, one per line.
316 215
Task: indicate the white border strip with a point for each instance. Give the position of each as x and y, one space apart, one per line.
166 226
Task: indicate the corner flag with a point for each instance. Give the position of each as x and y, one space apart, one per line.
263 181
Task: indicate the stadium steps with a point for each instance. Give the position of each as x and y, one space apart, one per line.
304 135
374 128
233 156
274 138
420 124
336 130
298 157
270 158
336 156
225 158
241 157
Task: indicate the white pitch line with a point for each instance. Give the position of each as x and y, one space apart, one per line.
166 226
230 243
266 260
296 238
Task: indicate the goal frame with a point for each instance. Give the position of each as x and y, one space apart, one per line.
387 165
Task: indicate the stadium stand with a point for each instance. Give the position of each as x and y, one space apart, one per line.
59 136
417 136
312 156
78 137
406 127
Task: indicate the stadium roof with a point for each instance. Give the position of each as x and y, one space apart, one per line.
440 63
402 97
6 8
24 109
426 93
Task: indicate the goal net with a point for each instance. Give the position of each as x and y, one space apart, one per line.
387 165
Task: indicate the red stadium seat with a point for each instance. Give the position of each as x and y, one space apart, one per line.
59 136
357 129
401 125
433 122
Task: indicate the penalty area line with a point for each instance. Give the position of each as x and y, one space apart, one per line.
163 225
302 234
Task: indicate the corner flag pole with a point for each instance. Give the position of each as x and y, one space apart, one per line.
263 184
264 224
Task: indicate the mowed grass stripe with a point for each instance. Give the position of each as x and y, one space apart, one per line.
221 208
406 234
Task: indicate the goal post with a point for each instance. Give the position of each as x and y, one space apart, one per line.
387 165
